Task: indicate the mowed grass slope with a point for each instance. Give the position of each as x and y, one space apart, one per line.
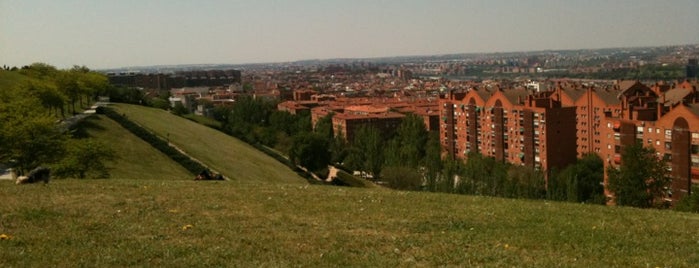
11 80
135 159
233 158
177 223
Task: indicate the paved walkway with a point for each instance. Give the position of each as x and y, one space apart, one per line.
5 174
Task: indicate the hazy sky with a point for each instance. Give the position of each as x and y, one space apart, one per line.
117 33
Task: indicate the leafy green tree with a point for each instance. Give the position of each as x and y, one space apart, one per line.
85 158
67 83
581 182
402 178
484 176
367 151
310 150
412 136
689 203
48 95
324 126
642 179
179 109
40 70
524 182
288 123
339 148
432 161
28 136
392 153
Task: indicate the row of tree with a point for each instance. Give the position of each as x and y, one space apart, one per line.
32 100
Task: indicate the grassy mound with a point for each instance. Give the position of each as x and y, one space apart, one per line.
135 159
187 223
232 157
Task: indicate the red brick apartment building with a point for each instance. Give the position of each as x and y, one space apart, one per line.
549 129
354 117
516 126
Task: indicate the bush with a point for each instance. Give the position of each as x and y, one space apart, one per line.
402 178
689 203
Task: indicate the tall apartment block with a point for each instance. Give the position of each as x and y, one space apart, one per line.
550 128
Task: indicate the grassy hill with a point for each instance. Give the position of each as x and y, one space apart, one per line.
135 159
182 223
11 79
232 157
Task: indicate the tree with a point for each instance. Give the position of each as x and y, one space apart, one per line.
402 178
28 137
411 136
310 150
179 109
366 153
581 182
85 158
324 126
642 179
48 95
91 83
433 160
67 83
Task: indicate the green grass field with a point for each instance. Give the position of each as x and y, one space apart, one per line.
177 223
233 158
135 159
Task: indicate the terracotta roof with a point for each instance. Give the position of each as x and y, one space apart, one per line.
610 97
573 93
514 95
387 115
626 84
484 94
676 95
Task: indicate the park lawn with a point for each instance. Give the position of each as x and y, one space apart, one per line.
181 223
235 159
135 159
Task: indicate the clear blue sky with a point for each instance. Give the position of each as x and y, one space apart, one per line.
117 33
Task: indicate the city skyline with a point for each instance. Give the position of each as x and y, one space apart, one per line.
103 34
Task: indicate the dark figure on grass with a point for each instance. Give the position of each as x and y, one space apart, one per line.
206 175
36 175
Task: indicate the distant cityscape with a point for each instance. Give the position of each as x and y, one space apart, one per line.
540 109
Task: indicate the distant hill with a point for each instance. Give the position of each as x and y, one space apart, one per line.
235 159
